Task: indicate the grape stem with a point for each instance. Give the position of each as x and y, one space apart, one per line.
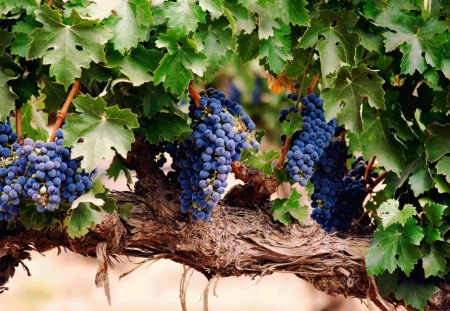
342 136
380 178
63 112
305 73
195 96
49 2
284 151
311 88
369 168
19 124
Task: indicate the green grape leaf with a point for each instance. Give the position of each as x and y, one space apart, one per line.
266 22
182 15
344 98
67 49
32 219
176 67
332 35
136 65
277 49
416 38
295 67
431 234
434 213
7 69
156 100
165 126
441 184
102 128
248 47
263 162
433 260
6 94
283 210
377 140
7 6
292 11
239 17
437 143
81 219
420 180
391 213
372 41
216 39
395 246
415 293
94 75
446 60
55 94
387 283
214 7
5 40
34 120
22 36
372 8
295 124
130 23
117 166
91 197
96 197
443 167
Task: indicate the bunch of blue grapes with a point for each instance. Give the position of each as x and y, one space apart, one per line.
310 141
202 162
328 185
42 172
7 138
338 194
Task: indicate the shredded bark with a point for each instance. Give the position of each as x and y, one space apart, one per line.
238 241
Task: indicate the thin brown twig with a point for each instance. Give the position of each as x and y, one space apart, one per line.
195 96
284 151
19 124
342 136
369 167
49 2
311 88
379 179
63 112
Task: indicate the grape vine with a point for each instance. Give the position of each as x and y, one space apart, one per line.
381 68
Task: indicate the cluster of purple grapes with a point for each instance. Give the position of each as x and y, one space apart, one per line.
7 138
43 172
338 194
202 162
310 141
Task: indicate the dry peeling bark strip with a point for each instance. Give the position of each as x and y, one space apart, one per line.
238 241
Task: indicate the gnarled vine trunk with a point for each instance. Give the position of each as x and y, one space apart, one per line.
238 241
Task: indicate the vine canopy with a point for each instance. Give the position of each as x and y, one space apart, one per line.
383 70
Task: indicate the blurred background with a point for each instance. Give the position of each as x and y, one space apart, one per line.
66 282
